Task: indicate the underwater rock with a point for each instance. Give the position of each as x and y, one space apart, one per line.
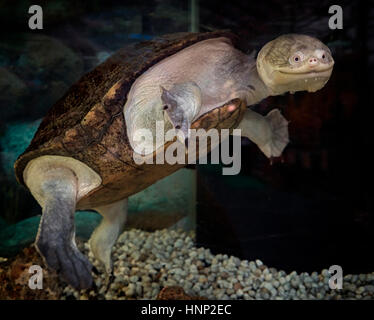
13 142
144 269
17 236
49 59
13 92
14 277
16 203
48 67
11 86
176 293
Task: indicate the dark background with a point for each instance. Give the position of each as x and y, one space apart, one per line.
311 211
315 209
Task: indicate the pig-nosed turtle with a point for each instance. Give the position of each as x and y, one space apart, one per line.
82 154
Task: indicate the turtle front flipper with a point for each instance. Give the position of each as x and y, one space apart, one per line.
182 104
270 133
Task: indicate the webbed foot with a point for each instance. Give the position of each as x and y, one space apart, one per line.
66 259
278 139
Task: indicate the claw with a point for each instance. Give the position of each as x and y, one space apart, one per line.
66 259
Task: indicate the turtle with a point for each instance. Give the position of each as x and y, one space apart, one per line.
82 155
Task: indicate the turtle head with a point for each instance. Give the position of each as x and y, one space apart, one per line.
294 62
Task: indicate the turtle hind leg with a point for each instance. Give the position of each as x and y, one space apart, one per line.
105 235
56 236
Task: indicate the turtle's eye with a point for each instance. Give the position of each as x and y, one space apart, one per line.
322 55
296 58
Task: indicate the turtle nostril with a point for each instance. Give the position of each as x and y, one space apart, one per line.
312 61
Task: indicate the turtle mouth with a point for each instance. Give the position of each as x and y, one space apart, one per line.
310 80
312 73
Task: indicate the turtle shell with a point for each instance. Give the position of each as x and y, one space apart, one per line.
88 124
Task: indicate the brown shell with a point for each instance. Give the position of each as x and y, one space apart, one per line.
87 123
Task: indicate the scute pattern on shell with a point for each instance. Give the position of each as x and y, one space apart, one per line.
88 124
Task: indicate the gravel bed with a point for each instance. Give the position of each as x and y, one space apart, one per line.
145 262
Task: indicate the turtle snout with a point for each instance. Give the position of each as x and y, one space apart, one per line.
312 61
